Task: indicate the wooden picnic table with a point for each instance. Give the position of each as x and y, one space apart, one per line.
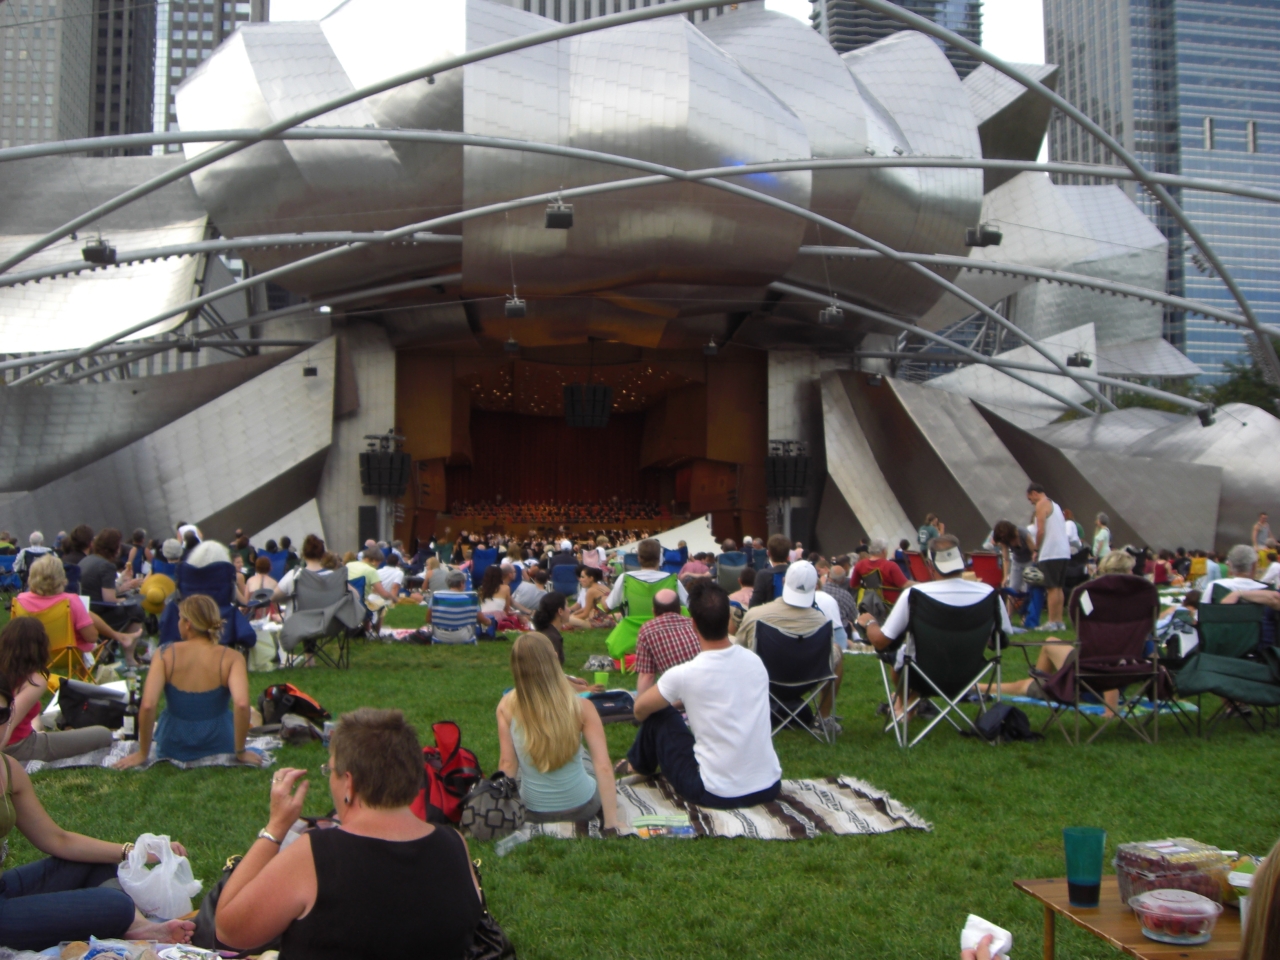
1118 925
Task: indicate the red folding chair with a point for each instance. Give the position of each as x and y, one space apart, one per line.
920 571
986 567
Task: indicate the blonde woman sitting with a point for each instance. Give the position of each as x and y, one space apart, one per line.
198 677
541 726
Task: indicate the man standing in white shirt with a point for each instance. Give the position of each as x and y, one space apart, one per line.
1052 551
723 758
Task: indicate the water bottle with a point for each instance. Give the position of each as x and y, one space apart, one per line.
511 841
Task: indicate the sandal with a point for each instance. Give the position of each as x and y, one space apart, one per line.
623 768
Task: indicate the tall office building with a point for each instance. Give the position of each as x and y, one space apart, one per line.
848 25
123 68
44 80
187 31
1190 88
571 11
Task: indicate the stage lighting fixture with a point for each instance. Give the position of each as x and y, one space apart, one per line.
709 349
983 235
514 309
1079 359
1205 414
188 345
875 380
324 309
830 315
98 251
512 345
559 215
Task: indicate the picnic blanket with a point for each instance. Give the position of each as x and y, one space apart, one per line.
107 757
804 809
1141 708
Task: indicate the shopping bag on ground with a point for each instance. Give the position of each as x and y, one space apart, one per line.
163 889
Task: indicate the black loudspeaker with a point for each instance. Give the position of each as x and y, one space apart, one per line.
587 404
786 476
384 473
366 524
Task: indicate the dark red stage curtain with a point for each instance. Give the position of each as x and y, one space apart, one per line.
526 458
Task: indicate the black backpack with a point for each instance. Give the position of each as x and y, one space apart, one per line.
281 698
1005 723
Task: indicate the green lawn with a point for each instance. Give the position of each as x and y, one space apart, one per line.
997 815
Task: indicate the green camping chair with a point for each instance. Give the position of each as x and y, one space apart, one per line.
1229 664
637 598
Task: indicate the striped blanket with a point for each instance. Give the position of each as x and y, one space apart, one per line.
804 809
107 757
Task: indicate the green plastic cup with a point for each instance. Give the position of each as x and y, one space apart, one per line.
602 678
1084 847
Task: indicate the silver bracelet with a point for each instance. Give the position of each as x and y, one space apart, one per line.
263 835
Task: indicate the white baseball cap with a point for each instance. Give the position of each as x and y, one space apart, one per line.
566 545
800 584
950 560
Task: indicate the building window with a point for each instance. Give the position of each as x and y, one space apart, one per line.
1208 133
1251 136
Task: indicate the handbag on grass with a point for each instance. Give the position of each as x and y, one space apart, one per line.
493 808
490 942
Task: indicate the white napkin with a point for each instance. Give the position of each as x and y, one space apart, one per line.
975 928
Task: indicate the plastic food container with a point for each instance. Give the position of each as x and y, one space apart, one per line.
1176 916
1174 864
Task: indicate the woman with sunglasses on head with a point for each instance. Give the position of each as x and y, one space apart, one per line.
61 897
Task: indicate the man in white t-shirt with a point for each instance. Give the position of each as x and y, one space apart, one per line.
945 557
723 758
392 576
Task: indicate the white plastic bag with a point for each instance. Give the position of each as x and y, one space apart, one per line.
163 890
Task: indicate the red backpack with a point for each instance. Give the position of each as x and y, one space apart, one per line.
449 773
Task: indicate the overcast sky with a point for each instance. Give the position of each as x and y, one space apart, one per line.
1012 29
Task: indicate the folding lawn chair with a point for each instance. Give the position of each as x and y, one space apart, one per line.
482 558
920 571
325 612
986 567
1231 662
673 560
727 576
10 582
1115 619
799 675
947 656
66 659
453 616
218 582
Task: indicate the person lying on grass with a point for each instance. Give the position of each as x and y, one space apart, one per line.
61 897
383 883
541 726
723 757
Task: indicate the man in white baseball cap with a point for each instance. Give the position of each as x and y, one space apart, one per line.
946 558
801 610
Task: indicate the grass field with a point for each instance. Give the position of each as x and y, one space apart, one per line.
997 815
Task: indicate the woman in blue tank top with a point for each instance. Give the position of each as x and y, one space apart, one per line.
541 726
199 678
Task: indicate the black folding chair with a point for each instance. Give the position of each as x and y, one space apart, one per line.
799 676
947 658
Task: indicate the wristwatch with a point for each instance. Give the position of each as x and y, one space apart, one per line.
264 835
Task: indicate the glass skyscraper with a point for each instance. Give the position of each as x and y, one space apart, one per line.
848 25
1190 87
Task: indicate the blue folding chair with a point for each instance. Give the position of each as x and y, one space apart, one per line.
10 582
673 560
217 580
760 559
277 562
161 565
564 579
630 561
482 558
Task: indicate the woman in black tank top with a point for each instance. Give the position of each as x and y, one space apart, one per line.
382 884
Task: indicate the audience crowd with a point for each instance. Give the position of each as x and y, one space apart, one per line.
544 512
703 633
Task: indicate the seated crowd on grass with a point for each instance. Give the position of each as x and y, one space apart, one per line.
690 635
